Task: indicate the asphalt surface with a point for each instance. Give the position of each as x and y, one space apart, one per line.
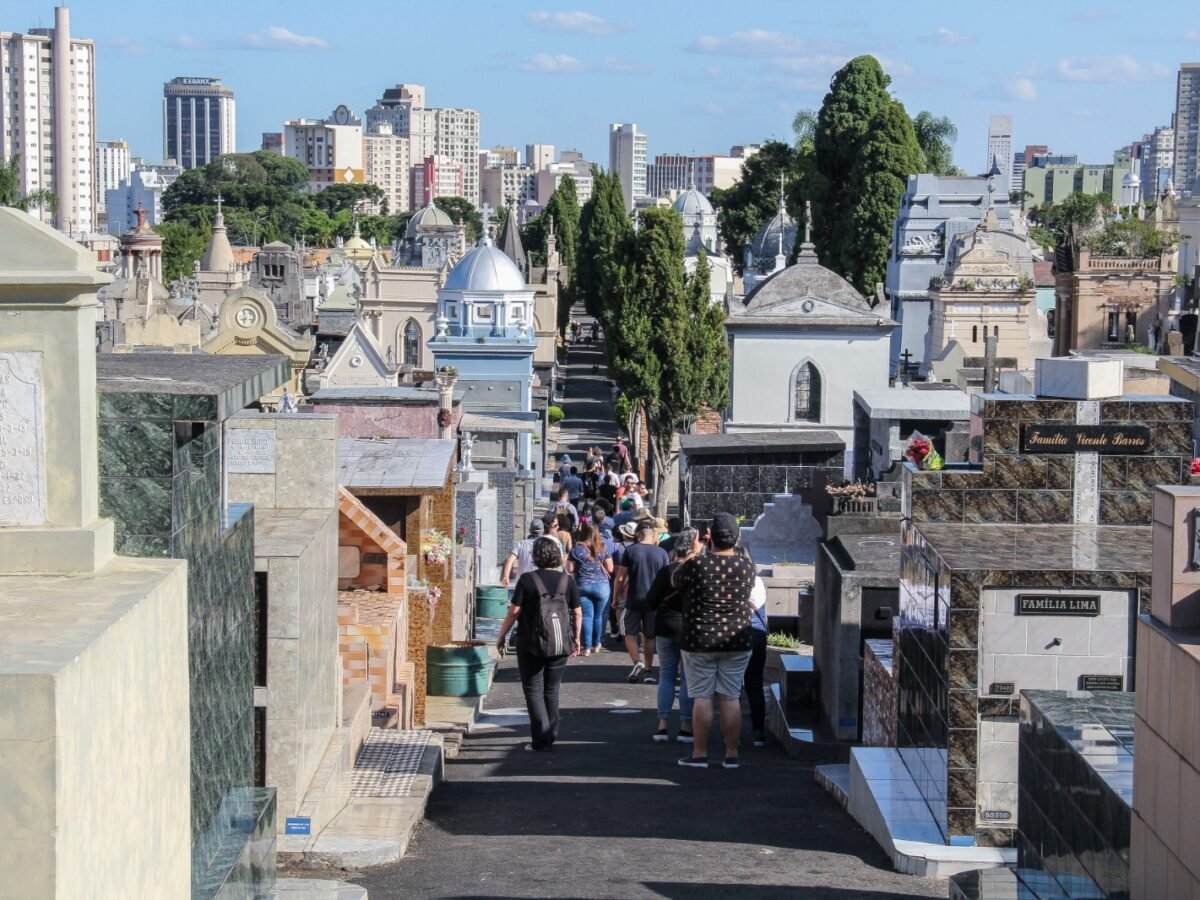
609 813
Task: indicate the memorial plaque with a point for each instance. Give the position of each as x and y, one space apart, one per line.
250 451
1101 683
1058 438
22 440
996 815
1058 605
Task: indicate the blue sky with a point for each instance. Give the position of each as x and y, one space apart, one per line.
696 76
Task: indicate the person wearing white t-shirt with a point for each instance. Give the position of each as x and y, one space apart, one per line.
521 557
753 682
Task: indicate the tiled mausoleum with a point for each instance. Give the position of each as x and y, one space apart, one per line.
1025 571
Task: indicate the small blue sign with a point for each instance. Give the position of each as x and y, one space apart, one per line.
298 825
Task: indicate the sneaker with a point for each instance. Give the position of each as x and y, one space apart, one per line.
649 678
731 763
760 739
661 736
693 762
636 673
685 737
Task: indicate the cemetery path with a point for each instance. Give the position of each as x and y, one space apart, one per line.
609 814
588 402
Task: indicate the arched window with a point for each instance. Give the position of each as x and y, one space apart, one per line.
412 344
807 394
974 334
995 331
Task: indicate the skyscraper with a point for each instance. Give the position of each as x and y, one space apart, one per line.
1000 146
112 167
199 121
1187 126
627 154
48 117
446 132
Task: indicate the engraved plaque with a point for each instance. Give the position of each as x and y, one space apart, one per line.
250 451
22 440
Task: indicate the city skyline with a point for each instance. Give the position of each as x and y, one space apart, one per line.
562 75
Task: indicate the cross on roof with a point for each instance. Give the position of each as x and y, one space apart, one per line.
220 200
808 221
485 213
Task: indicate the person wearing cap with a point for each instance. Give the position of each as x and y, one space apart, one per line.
716 637
522 554
564 467
640 563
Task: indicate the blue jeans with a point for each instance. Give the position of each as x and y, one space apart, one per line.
670 667
593 598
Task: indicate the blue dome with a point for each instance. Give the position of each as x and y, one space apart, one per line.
486 268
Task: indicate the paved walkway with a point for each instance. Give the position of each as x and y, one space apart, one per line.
609 813
588 411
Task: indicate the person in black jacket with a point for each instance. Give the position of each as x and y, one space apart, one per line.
668 627
541 676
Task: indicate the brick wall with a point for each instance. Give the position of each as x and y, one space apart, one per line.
420 635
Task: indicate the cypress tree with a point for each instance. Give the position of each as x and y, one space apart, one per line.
888 156
858 92
603 226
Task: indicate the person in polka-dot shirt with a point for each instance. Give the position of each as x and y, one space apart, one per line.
716 639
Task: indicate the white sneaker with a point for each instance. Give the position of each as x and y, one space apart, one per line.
636 673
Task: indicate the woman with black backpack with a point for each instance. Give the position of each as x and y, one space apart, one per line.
545 606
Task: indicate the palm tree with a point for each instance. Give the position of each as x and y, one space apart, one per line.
936 135
804 126
10 188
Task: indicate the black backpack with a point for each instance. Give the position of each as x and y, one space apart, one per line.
551 634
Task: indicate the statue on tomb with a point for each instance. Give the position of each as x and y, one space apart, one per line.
287 403
466 444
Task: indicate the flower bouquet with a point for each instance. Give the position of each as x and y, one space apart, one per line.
434 594
436 548
1196 466
922 453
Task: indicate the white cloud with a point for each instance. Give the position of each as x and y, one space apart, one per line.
757 42
565 64
944 37
187 42
1102 69
276 37
827 64
127 46
1021 88
553 64
575 23
1193 36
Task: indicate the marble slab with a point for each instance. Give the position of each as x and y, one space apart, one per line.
22 440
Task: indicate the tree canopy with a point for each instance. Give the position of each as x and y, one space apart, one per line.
936 136
10 188
603 226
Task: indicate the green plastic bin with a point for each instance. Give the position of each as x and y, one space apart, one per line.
459 669
491 601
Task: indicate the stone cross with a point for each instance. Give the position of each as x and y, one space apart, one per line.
808 221
219 201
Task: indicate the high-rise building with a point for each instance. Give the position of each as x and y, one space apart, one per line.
499 156
48 117
1000 147
1187 127
142 189
538 156
627 155
387 165
1155 155
501 185
669 172
446 132
677 172
272 142
581 172
199 121
435 177
112 167
332 148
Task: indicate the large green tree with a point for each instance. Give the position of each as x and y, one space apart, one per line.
183 246
665 337
563 209
462 212
858 92
603 225
887 157
754 198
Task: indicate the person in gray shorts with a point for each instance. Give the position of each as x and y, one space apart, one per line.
716 639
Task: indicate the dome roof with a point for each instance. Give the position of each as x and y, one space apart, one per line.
219 255
804 280
766 243
486 268
425 218
693 203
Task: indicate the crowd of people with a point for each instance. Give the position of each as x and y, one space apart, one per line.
692 598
